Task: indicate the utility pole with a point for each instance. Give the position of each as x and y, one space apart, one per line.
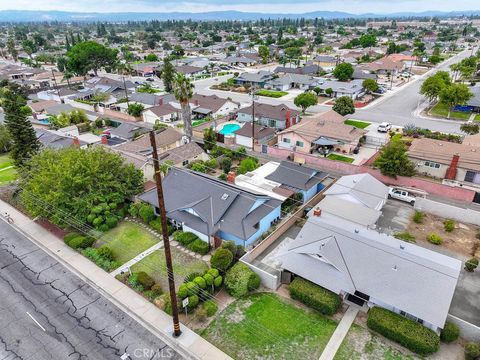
253 119
56 86
166 242
125 88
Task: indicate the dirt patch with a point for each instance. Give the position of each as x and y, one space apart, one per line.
461 240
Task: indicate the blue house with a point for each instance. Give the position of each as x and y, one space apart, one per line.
215 210
299 179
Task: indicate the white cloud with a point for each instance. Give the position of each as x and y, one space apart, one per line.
353 6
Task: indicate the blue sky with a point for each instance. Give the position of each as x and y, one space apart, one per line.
277 6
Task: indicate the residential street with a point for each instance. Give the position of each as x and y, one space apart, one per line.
49 313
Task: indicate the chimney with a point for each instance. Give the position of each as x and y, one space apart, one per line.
104 140
231 177
287 119
317 212
452 170
160 102
76 142
196 102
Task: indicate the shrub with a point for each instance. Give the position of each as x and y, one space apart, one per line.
449 225
191 277
222 259
471 264
81 242
156 224
182 291
103 228
184 238
418 217
240 252
98 221
201 313
217 282
145 280
191 288
193 301
406 332
405 236
434 239
199 246
106 253
211 307
449 333
70 236
208 279
229 245
472 351
133 209
238 278
213 272
253 282
146 213
314 296
154 292
200 281
111 222
107 265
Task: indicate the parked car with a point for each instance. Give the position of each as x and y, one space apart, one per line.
384 127
402 195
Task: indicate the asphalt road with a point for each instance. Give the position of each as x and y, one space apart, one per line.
47 312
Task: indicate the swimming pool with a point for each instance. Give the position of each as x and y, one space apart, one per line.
229 129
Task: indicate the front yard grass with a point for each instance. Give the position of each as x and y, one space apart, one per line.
340 158
357 123
183 265
361 344
263 326
477 117
271 93
7 172
127 240
442 110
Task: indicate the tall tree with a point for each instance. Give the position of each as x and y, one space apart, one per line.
344 105
393 160
183 90
168 75
264 53
343 71
455 94
305 100
89 55
434 84
24 141
12 49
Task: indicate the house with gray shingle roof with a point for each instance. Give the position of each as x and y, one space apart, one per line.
215 209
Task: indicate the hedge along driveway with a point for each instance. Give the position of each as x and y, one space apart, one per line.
127 240
263 326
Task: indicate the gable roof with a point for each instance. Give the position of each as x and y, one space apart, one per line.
51 140
210 102
259 132
163 137
128 130
162 110
296 176
207 204
276 112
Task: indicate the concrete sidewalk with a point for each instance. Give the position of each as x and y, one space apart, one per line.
339 334
189 344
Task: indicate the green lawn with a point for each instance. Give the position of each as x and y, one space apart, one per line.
357 123
442 110
263 326
7 173
361 344
271 93
340 158
127 240
477 117
183 265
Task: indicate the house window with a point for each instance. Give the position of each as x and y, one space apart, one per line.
286 140
432 164
299 143
272 123
185 162
257 226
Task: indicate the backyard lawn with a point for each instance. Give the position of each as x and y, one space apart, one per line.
361 344
477 117
127 240
340 158
442 110
357 123
183 265
7 171
263 326
271 93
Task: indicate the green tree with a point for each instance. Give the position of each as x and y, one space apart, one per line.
393 160
183 91
168 75
455 94
264 53
344 106
305 100
24 140
368 40
5 139
247 165
89 55
151 57
12 48
434 84
343 71
29 47
73 181
370 85
470 128
135 109
209 138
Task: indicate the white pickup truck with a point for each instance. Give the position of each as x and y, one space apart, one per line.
401 194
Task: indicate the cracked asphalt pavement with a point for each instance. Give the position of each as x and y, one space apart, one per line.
46 312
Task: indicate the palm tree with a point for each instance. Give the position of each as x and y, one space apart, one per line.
67 75
183 91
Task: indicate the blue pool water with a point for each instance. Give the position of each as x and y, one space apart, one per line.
229 129
44 121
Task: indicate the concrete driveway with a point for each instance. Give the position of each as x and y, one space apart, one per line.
466 300
396 216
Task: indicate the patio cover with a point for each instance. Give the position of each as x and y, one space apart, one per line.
323 141
202 111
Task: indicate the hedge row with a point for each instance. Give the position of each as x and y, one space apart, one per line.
78 241
240 280
191 242
314 296
413 335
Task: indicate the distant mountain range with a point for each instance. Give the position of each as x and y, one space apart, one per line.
65 16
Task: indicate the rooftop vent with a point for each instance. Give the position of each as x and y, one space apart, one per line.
357 231
402 247
224 196
395 268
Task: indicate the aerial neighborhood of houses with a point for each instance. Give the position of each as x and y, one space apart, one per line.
243 176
